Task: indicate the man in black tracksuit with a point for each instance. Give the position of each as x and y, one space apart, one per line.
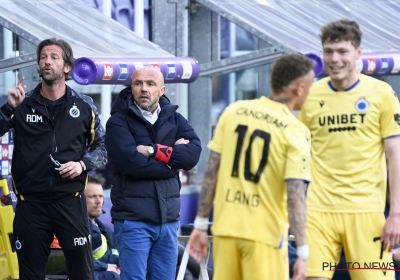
58 138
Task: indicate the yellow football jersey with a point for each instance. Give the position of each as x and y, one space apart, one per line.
261 145
347 132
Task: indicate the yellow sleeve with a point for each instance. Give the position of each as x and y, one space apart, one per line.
298 157
218 139
389 113
302 116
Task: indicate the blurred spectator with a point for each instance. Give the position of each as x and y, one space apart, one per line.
104 248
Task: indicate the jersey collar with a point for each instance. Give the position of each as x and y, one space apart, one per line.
348 89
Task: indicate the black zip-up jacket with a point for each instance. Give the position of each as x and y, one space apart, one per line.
77 134
145 189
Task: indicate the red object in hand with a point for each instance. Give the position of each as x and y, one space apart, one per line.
163 153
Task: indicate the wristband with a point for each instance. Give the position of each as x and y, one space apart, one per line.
303 252
201 223
83 169
163 153
395 248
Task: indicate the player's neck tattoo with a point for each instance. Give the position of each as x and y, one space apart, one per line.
282 100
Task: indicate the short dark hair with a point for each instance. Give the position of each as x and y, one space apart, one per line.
288 68
68 55
342 30
97 179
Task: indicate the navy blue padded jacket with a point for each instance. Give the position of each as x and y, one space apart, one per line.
144 189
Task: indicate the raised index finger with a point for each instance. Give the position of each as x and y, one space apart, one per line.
20 81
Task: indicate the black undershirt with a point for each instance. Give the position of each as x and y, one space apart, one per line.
53 108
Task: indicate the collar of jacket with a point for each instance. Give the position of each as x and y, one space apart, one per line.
35 93
167 109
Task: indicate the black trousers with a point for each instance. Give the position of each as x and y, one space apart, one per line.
34 227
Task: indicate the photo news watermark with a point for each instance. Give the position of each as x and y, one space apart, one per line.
384 266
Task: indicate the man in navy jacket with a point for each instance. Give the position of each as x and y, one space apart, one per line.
147 143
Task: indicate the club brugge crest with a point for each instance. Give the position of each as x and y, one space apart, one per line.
362 105
74 111
18 245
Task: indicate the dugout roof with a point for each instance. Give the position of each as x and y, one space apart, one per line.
89 32
295 24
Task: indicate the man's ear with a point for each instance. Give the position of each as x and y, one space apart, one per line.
67 68
162 91
299 89
359 52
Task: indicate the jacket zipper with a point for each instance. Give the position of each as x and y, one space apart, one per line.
54 137
54 148
53 124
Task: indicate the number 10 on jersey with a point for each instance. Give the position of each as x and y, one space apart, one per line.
248 175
